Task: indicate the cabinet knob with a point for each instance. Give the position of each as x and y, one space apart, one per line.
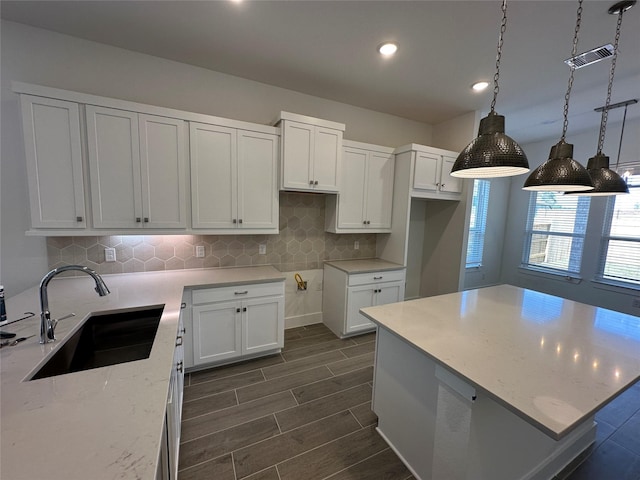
310 182
78 219
244 309
146 219
368 222
240 221
182 331
178 341
138 219
441 186
315 182
234 221
183 305
180 366
364 222
238 310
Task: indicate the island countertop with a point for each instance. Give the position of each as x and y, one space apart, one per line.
107 422
552 361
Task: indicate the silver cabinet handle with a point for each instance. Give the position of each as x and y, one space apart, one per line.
241 293
178 341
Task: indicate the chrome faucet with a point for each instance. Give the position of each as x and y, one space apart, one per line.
48 326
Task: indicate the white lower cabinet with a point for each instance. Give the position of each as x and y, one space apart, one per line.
170 447
238 321
346 293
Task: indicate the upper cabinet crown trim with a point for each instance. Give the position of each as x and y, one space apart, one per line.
367 146
85 98
422 148
310 120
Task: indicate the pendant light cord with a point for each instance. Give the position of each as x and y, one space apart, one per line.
503 28
574 50
605 110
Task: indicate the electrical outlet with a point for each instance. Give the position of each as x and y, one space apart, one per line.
356 245
199 251
109 254
262 249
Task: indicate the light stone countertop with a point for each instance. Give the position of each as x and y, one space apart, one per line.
365 265
552 361
104 423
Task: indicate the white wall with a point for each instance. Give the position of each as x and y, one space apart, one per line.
42 57
586 291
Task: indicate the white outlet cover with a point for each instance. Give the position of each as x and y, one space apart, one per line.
199 251
109 254
262 249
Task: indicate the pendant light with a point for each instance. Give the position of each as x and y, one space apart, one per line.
561 173
492 153
606 181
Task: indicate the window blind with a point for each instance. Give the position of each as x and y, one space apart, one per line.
477 222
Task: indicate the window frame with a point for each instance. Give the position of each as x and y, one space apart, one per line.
482 210
582 211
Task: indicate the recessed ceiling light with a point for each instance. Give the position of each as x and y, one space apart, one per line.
387 49
479 86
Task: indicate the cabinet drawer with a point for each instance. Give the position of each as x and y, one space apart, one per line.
237 292
376 277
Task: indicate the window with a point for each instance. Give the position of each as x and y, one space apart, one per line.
556 227
477 222
620 257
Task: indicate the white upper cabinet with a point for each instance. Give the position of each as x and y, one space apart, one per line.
430 172
54 162
366 190
233 179
136 169
311 153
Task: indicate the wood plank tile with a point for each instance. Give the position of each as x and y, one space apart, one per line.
316 349
219 468
364 414
292 334
354 363
222 385
223 442
328 459
268 474
366 338
208 404
306 363
230 417
314 329
323 407
281 384
360 349
234 369
309 340
385 464
277 449
313 391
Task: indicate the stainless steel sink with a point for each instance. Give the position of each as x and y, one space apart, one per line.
105 339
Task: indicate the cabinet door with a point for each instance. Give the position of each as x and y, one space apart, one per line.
379 190
53 151
262 324
359 297
447 182
114 167
257 180
216 332
297 152
352 192
426 175
213 176
163 157
327 159
390 293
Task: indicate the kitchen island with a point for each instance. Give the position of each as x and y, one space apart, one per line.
498 383
103 423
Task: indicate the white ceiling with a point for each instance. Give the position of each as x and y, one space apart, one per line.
327 49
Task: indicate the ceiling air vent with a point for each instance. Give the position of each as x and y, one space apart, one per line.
590 57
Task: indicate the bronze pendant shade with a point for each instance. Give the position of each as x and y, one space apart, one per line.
491 153
606 182
560 173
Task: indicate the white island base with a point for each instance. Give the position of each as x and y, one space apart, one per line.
443 429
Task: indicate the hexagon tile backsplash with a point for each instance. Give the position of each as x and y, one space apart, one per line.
302 244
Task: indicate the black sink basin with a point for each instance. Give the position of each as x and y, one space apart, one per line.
105 339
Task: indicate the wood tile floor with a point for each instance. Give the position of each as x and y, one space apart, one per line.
305 414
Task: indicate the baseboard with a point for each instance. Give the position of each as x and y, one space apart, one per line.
302 320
